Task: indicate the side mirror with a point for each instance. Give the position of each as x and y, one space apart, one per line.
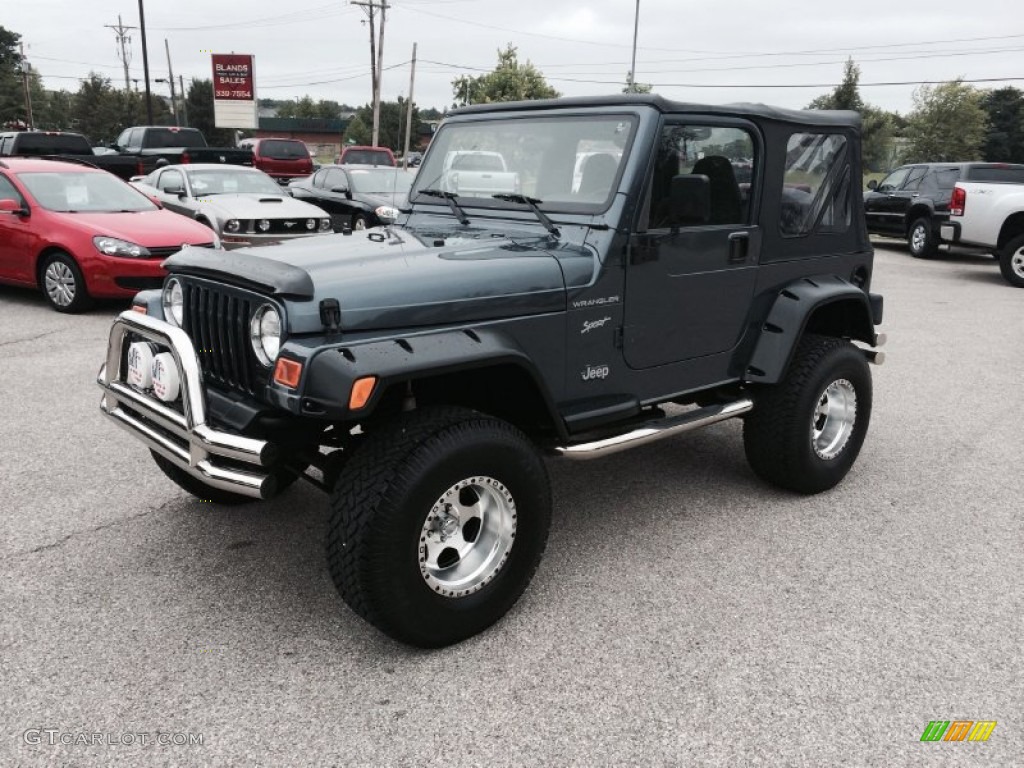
341 191
155 200
690 199
7 205
172 190
873 184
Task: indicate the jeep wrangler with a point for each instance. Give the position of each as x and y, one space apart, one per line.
658 267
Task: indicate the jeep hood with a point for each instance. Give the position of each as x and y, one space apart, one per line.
394 279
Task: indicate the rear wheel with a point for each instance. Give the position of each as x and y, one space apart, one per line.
922 240
1011 262
806 431
62 283
438 523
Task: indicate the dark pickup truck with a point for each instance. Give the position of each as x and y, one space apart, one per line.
64 146
419 372
158 145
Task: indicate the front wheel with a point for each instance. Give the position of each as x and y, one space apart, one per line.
438 523
805 432
358 222
63 284
921 239
1011 262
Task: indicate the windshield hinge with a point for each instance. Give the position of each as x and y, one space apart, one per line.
330 315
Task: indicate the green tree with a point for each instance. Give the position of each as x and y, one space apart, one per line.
199 103
635 87
948 123
94 109
392 124
12 99
1004 141
510 81
846 95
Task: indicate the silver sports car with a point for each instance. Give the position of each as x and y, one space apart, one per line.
243 205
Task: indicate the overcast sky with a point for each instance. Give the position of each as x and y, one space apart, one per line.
709 51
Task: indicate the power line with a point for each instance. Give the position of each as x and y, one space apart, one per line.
279 19
124 42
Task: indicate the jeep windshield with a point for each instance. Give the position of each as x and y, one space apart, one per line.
572 164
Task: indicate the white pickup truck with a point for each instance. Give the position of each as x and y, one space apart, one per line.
475 173
990 215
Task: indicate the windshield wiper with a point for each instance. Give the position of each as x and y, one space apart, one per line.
450 198
532 203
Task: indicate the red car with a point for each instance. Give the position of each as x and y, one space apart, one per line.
356 155
79 233
282 159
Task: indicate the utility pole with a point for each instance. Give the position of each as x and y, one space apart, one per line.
145 64
408 116
124 41
632 66
25 69
370 7
170 79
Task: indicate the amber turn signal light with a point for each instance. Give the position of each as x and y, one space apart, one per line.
287 372
361 391
139 308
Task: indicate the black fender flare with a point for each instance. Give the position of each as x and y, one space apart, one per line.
850 311
330 372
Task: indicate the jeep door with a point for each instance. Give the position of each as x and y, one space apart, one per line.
689 284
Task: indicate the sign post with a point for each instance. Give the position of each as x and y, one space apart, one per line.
234 91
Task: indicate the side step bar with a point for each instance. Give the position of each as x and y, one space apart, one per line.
656 430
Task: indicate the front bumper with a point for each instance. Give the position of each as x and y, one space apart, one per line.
221 459
250 239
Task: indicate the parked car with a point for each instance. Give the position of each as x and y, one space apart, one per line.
281 159
988 212
65 146
356 197
159 145
912 202
356 155
480 173
79 233
243 205
413 159
422 375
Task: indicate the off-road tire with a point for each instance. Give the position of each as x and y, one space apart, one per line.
204 492
59 266
921 239
380 506
778 435
1011 262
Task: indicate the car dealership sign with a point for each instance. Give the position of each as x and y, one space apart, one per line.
234 91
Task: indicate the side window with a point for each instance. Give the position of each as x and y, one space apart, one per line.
8 191
723 155
815 185
5 144
135 138
913 180
122 140
893 181
170 180
336 179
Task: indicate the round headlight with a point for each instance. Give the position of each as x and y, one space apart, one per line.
264 225
325 224
265 332
232 225
310 223
173 301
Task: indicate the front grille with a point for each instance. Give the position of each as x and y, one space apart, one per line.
217 321
287 227
164 251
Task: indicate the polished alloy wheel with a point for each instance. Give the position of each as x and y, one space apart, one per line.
60 285
833 419
467 536
918 239
1017 263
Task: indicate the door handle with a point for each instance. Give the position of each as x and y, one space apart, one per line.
739 243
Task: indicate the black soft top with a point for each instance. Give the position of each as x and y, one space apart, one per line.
798 116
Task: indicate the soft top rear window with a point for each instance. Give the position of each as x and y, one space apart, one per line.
1008 174
277 149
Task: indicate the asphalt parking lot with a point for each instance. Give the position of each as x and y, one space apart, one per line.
685 613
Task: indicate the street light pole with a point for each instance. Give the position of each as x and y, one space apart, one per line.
145 63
